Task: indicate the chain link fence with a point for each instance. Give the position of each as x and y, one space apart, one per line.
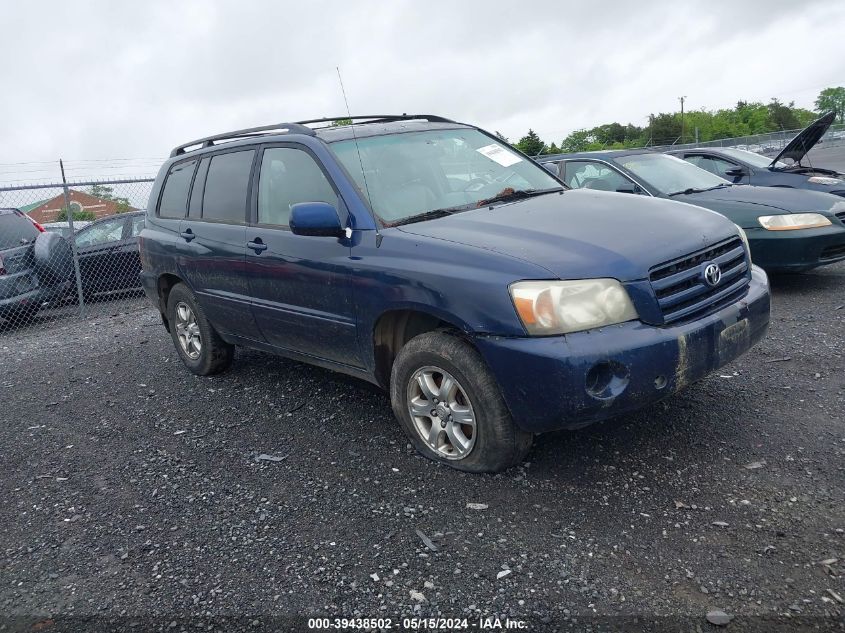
769 144
70 250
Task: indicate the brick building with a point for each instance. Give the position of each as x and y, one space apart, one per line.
48 210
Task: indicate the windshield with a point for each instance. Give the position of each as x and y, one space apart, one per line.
413 173
752 158
668 174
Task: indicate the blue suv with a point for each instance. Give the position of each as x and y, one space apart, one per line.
435 260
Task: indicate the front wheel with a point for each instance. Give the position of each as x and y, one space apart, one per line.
197 343
450 405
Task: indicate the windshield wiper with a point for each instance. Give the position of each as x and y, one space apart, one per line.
506 195
694 190
422 217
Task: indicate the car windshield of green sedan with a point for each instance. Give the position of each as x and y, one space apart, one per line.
669 175
418 175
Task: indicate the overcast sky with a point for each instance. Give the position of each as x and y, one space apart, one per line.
104 80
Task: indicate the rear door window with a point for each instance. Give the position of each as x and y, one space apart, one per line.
226 186
16 230
174 198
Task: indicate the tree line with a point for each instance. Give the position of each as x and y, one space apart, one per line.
666 128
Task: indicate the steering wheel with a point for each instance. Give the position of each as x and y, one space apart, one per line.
476 184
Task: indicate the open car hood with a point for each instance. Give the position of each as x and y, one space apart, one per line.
804 141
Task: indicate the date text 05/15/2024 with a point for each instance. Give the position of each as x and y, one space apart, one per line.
418 624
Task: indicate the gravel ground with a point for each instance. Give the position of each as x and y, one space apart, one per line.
134 494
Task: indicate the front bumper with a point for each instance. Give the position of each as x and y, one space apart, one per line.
571 381
794 251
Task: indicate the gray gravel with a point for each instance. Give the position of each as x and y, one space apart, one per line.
135 491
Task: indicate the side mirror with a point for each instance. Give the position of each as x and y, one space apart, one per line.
315 218
628 188
735 171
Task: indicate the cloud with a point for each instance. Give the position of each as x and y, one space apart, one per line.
103 79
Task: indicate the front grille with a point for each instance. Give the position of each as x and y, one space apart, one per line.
832 252
841 216
681 290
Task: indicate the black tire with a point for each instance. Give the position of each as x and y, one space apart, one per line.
215 354
498 442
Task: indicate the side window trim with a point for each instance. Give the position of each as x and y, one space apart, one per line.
343 212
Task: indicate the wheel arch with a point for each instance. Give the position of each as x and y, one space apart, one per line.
164 285
395 327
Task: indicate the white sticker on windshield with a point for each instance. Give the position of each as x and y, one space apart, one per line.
499 154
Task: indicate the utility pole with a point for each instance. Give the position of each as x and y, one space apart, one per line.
681 99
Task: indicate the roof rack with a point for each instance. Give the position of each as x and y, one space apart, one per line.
380 118
299 127
208 141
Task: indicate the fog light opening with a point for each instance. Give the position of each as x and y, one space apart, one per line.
606 380
660 382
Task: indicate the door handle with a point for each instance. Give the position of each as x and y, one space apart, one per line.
257 245
187 235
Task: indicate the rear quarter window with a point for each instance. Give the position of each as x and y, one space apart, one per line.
174 197
15 230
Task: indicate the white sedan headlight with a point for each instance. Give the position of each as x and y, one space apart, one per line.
825 180
793 221
560 307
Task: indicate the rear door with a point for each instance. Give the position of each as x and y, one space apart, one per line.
215 234
302 298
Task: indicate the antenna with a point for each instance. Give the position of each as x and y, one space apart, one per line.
355 138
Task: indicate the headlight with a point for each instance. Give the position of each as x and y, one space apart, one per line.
825 180
744 238
793 221
560 307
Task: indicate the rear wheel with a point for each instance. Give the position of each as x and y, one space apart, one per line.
197 343
450 405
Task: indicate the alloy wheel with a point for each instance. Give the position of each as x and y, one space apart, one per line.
442 413
188 331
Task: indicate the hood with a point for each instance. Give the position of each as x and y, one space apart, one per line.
584 233
782 199
798 147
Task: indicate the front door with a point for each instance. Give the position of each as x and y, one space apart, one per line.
100 247
300 285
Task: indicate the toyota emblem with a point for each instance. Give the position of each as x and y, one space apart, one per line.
712 274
